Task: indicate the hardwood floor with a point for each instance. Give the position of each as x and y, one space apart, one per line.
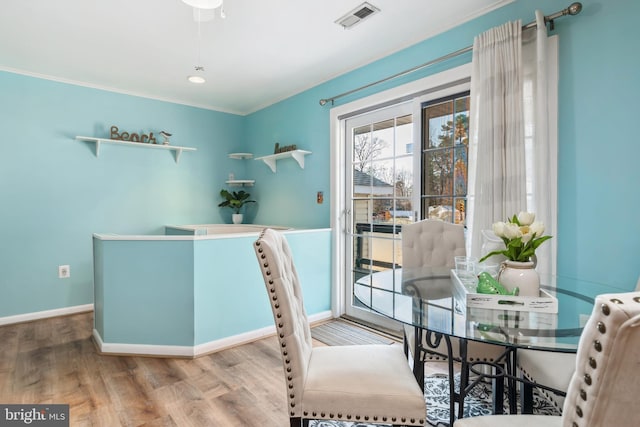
55 361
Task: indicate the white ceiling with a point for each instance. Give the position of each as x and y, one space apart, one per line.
263 52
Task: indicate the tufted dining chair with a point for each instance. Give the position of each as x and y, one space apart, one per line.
604 388
551 369
357 383
434 243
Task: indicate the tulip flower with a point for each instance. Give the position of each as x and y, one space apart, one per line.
521 235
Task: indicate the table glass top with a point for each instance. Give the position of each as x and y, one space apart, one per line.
427 298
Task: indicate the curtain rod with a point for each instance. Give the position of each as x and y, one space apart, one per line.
573 9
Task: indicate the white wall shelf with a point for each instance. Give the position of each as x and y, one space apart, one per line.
241 182
175 148
240 156
297 155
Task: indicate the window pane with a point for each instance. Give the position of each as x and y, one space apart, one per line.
445 142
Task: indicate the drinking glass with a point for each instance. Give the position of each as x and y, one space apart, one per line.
466 267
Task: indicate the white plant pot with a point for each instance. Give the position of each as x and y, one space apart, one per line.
236 218
521 275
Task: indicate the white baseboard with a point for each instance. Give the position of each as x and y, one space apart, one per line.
28 317
194 351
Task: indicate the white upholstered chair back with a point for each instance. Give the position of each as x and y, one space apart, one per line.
285 295
605 387
431 242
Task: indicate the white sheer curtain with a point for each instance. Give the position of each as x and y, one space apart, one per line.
497 178
513 147
540 78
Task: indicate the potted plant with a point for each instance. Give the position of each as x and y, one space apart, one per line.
235 200
521 236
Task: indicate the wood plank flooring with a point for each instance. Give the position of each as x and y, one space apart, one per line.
55 361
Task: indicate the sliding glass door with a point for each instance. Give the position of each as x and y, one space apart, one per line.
378 200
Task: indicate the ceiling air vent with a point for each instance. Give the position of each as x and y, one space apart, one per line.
359 14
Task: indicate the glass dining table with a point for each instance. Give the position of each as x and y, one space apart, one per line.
429 300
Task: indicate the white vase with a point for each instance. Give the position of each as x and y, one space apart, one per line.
236 218
521 275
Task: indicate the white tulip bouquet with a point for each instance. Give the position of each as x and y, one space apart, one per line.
521 236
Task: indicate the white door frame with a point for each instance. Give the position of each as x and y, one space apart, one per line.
437 85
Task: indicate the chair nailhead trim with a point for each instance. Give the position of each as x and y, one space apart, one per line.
575 424
597 345
616 301
583 394
306 413
602 328
587 379
636 299
605 309
579 411
592 363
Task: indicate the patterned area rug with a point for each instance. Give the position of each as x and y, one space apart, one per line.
436 395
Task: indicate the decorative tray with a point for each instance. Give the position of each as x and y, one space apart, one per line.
545 303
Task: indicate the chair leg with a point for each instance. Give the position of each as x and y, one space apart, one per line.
297 422
497 392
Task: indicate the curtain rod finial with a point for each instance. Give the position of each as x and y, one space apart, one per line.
323 102
575 8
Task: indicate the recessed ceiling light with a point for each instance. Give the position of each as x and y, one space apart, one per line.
196 79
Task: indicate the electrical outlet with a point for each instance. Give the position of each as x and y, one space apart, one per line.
64 271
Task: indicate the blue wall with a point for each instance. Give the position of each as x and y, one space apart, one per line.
55 193
598 236
188 292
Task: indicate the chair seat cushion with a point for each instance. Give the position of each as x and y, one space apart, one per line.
510 421
339 384
550 369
